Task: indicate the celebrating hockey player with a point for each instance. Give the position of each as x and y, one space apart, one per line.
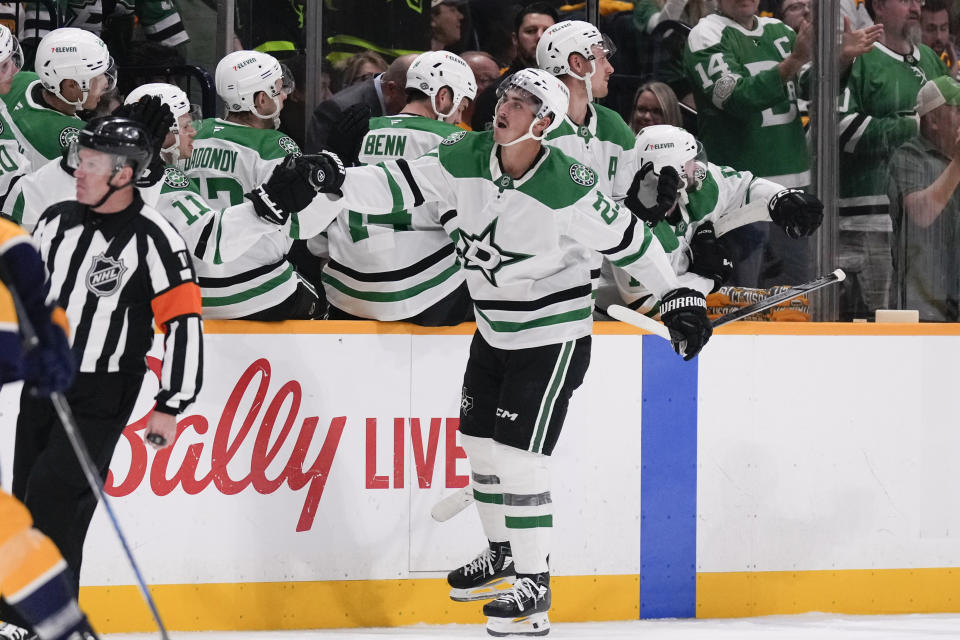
34 579
526 220
74 70
713 200
232 157
403 266
12 162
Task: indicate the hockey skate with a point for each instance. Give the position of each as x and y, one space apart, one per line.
484 577
522 611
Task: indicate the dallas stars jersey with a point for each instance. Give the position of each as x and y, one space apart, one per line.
234 239
12 161
392 266
229 160
747 115
877 115
727 198
527 245
42 132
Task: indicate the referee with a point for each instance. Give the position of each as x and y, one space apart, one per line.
116 267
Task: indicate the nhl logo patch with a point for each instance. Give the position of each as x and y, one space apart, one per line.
454 138
103 278
175 178
289 146
69 135
583 175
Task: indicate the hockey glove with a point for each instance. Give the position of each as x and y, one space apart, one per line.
651 197
155 117
710 258
684 311
49 366
288 190
327 172
798 213
347 135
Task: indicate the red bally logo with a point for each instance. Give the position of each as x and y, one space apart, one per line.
297 473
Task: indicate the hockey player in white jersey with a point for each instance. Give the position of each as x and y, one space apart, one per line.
713 201
13 163
527 221
74 70
231 157
403 265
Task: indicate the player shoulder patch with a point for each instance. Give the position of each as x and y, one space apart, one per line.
454 138
68 135
289 146
583 175
175 178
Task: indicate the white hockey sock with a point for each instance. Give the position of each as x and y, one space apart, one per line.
486 486
527 506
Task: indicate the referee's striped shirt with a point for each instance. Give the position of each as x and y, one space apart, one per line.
115 275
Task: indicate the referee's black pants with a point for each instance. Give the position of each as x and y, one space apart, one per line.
46 474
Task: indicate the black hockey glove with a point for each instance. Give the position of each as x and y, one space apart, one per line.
650 197
684 311
288 190
710 258
155 117
347 134
798 213
326 173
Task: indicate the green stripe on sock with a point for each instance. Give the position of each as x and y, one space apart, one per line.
529 522
489 498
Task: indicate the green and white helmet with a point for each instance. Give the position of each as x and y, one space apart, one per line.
179 104
551 94
73 54
566 38
10 47
431 71
241 75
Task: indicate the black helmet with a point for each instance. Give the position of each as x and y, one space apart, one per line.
123 138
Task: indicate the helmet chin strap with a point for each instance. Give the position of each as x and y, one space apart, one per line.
78 105
527 136
275 116
586 78
171 154
441 115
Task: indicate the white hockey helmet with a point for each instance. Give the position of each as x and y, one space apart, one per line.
241 75
431 71
179 104
10 47
73 54
551 94
666 145
566 38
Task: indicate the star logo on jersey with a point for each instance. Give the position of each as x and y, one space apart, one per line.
583 175
103 278
454 138
289 146
481 253
175 178
68 136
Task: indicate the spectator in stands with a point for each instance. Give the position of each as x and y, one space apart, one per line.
648 15
445 21
856 12
925 206
361 67
743 69
339 124
877 115
486 72
655 103
528 26
795 13
936 21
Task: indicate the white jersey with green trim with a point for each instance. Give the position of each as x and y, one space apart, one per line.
215 238
229 160
392 266
13 163
527 244
727 198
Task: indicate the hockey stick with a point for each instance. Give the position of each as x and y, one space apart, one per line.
452 504
30 342
637 319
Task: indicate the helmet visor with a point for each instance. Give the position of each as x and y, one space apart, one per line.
111 75
516 98
288 85
16 55
92 161
604 49
192 117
